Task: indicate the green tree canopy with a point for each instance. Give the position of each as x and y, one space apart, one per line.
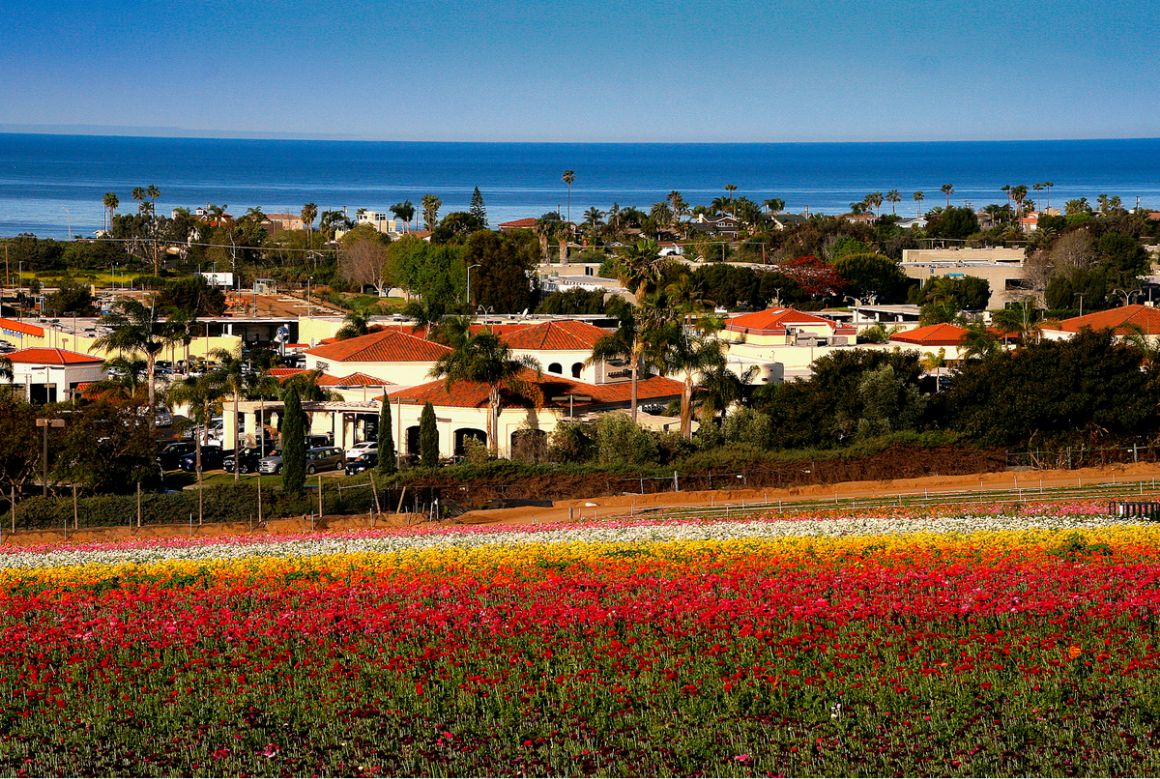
293 444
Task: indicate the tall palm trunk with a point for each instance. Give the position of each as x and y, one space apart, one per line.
493 420
237 452
687 407
637 350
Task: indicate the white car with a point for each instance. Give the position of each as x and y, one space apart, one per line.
363 446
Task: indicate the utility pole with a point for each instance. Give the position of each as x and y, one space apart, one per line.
46 423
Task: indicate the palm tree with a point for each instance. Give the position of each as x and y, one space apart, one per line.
685 351
6 372
918 196
593 218
874 201
894 197
427 314
545 229
721 388
1050 186
729 190
484 358
635 341
431 206
642 267
133 329
230 376
775 205
203 395
569 177
979 342
935 361
110 202
404 211
126 375
308 215
1019 194
354 324
948 190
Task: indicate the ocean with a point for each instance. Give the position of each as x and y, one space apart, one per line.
52 185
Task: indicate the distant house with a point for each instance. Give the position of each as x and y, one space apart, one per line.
528 223
786 326
932 338
782 221
54 375
1123 322
379 221
721 227
285 221
461 411
863 218
391 354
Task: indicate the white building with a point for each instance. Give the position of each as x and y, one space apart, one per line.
54 375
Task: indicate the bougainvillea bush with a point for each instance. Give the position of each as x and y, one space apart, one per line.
966 646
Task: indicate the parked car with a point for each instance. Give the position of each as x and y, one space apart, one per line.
169 456
359 461
325 458
250 459
315 441
211 459
362 446
271 463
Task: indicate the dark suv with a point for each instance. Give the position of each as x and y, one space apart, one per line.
248 464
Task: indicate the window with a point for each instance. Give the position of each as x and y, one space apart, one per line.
577 369
555 368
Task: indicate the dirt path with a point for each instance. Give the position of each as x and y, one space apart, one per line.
617 505
565 511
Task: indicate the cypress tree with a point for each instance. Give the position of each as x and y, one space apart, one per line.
428 437
477 208
387 464
293 444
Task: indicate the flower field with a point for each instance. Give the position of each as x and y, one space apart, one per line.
840 645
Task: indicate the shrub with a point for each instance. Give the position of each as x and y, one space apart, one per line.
619 440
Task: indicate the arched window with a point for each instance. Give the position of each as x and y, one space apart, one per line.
555 367
577 368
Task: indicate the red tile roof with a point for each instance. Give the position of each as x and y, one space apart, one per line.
356 379
285 373
773 321
390 345
567 335
43 356
16 326
944 334
554 390
1122 321
528 223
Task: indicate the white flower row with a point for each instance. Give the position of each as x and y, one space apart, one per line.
630 533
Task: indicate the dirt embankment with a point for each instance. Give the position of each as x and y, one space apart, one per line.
576 509
899 462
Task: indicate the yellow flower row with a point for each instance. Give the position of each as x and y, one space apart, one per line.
521 559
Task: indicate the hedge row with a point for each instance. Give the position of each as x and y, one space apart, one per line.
227 503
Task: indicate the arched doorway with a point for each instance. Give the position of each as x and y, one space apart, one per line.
465 434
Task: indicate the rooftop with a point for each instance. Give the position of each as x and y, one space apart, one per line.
388 345
44 356
944 334
553 392
1123 321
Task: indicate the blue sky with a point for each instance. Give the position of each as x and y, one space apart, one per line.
590 71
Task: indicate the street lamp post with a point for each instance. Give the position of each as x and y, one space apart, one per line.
469 267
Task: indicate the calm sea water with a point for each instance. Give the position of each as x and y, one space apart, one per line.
53 184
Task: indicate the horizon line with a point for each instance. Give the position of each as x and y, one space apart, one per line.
172 133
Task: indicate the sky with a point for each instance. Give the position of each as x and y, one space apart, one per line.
672 71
